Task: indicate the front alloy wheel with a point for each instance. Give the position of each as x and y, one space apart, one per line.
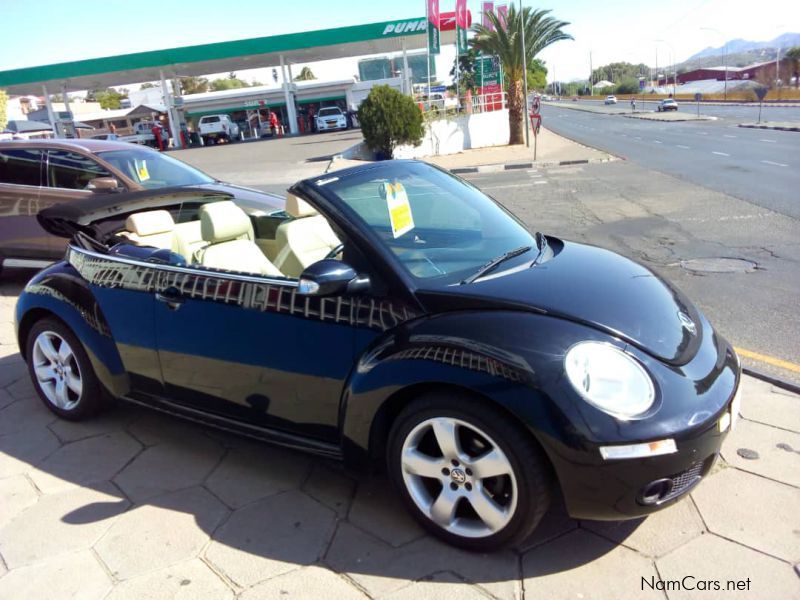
468 472
458 477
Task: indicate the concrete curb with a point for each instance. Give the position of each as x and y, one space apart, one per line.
773 127
494 168
774 380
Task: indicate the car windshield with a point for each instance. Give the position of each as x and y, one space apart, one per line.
330 112
439 227
153 170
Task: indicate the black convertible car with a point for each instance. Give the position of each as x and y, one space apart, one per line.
390 313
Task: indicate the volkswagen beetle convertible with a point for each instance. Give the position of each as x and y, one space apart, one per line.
390 314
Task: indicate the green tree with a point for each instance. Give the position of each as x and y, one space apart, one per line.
628 85
505 42
388 119
108 98
537 75
194 85
150 85
793 56
467 65
306 74
618 71
3 109
228 84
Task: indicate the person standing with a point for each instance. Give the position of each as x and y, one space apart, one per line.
273 122
633 104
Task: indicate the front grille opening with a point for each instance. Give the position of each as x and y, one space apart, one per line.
666 489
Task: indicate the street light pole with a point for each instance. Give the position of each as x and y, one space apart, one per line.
524 76
724 55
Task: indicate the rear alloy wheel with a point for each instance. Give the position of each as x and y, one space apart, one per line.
467 473
61 371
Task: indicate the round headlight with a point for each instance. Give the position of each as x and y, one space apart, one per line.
609 379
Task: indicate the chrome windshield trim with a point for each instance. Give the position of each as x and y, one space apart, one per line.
192 271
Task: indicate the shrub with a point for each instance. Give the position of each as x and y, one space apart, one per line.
628 85
388 119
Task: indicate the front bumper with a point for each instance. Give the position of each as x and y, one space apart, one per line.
599 489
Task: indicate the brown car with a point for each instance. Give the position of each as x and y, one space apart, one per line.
40 173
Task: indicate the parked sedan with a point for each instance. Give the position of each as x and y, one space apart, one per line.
391 314
668 104
38 174
331 118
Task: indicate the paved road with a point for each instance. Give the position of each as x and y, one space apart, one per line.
662 221
735 113
760 166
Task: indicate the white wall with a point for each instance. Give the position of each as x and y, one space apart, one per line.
450 136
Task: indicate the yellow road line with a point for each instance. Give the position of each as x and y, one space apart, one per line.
775 362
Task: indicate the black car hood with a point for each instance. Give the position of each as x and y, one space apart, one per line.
592 286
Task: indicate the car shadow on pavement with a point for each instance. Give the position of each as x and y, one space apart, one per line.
146 490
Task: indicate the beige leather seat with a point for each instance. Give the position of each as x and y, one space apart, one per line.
228 231
188 240
303 240
150 228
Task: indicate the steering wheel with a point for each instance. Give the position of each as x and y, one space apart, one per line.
333 253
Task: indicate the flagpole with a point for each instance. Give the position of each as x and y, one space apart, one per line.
428 46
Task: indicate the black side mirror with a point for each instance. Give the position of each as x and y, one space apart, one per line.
330 277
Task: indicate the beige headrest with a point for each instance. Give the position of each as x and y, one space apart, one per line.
299 208
223 221
150 222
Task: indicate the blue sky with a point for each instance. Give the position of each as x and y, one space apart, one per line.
49 31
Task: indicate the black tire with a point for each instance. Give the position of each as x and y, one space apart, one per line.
530 467
91 398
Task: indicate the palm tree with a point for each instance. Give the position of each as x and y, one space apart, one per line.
505 42
305 75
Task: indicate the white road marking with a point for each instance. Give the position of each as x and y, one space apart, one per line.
702 133
657 142
770 141
777 164
719 153
684 147
729 136
539 182
510 185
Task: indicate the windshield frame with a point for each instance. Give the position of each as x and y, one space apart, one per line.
328 203
132 183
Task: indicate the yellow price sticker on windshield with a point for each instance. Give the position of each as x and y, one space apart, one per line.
400 217
141 170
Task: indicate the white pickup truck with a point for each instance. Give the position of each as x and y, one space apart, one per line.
217 127
142 134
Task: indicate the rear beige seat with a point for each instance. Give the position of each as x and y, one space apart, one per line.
229 234
150 228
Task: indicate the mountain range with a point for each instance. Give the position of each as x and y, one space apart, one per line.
784 41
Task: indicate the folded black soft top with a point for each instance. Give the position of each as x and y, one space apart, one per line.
68 217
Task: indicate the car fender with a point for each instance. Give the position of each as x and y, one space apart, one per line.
511 358
60 291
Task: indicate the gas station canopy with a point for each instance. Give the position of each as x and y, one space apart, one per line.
222 57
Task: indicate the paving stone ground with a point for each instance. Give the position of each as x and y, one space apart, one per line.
139 505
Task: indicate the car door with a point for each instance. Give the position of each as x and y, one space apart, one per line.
66 177
21 171
252 349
